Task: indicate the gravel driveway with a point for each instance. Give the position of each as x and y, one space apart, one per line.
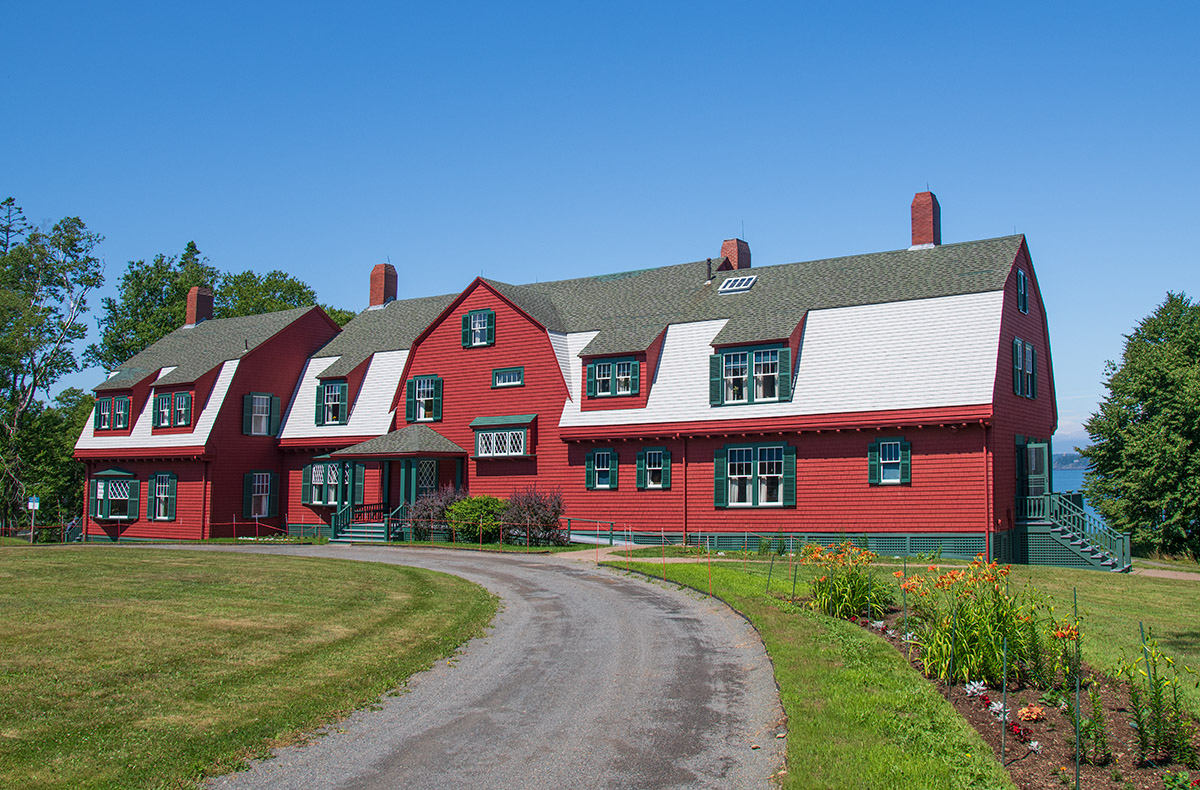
589 679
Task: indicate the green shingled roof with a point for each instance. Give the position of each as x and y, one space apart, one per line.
194 351
416 439
628 310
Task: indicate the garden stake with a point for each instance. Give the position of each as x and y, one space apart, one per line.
769 569
481 533
953 645
745 549
662 538
710 571
1004 702
907 641
795 568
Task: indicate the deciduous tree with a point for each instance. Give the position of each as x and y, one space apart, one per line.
1144 474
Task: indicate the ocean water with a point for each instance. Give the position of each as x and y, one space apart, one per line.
1072 480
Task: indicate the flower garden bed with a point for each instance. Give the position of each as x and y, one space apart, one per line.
966 632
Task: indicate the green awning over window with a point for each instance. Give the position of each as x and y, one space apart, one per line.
512 419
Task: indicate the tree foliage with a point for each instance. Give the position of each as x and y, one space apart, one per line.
1144 474
46 446
45 279
151 301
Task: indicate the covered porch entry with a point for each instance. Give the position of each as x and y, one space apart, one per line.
414 461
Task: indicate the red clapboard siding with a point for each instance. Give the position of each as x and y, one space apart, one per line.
189 502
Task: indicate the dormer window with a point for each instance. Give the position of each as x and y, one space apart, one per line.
162 410
613 377
120 413
479 328
103 414
757 375
332 402
172 409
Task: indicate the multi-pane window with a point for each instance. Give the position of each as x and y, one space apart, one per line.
425 393
740 474
333 404
330 483
115 499
770 475
603 378
479 328
160 505
735 377
766 375
163 404
427 477
1022 291
654 469
120 412
261 495
104 413
508 377
755 475
889 462
750 376
260 415
316 483
1024 369
500 443
183 408
602 463
624 378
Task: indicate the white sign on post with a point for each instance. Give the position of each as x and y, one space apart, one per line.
34 503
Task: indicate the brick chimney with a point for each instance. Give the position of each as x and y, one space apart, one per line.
383 284
926 221
199 305
736 253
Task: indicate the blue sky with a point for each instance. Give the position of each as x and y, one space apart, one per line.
545 141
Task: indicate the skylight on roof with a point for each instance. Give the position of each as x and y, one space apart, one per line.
735 285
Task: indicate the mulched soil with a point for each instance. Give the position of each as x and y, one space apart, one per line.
1053 766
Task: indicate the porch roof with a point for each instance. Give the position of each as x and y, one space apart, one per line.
416 439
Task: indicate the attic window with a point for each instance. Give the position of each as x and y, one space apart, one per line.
735 285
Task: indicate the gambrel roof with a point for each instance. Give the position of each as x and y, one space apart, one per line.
629 310
193 351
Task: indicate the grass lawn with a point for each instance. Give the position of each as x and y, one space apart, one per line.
7 541
132 668
1167 563
860 717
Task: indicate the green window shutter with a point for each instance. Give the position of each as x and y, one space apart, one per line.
273 495
437 398
635 378
273 428
591 379
93 507
306 485
666 476
873 475
360 476
247 494
172 486
720 485
613 466
1017 367
716 380
96 415
410 401
320 404
641 469
102 507
247 414
343 402
1033 379
187 409
784 386
466 331
905 462
491 327
589 471
612 378
151 502
154 407
135 498
789 475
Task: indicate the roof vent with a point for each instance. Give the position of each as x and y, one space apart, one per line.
737 285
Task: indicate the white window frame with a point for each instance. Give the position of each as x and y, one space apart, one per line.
479 325
162 495
733 362
332 402
181 407
654 469
508 377
607 369
606 457
105 408
739 470
423 396
889 463
260 498
117 491
770 468
624 374
164 403
260 415
120 417
501 443
766 374
317 483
